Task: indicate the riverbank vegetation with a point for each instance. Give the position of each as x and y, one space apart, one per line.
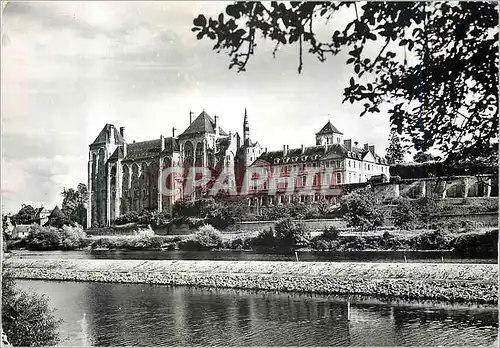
285 236
27 319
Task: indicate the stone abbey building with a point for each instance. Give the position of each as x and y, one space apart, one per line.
124 176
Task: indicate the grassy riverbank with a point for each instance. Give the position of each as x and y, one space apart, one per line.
476 283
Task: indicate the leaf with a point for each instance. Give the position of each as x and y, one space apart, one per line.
200 21
350 60
351 81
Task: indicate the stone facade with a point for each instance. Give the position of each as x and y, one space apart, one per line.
124 176
308 174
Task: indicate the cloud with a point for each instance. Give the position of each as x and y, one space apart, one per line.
68 68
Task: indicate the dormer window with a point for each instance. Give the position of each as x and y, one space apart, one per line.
276 160
295 159
304 158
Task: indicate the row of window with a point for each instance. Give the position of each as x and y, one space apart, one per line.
317 180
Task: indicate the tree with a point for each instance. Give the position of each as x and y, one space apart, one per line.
27 319
394 152
404 214
291 235
361 210
73 205
422 157
25 216
434 63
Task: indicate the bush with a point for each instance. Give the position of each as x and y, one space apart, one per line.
291 235
71 237
27 319
459 226
328 240
208 237
265 239
426 210
475 244
52 238
361 210
404 214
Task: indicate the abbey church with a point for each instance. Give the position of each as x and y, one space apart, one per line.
123 176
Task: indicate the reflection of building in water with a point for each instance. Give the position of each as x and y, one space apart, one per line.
372 326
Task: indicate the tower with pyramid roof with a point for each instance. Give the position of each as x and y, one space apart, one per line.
329 135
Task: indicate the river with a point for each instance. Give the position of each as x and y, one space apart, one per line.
144 315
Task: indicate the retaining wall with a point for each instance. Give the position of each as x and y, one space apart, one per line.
444 282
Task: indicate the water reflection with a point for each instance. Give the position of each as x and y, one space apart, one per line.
143 315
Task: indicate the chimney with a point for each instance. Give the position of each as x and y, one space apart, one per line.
366 147
348 144
216 126
372 149
355 143
285 150
162 143
190 117
301 149
173 132
265 149
122 132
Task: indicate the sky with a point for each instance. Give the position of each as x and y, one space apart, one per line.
68 68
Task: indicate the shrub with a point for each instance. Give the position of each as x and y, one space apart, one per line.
361 210
475 244
328 240
426 209
265 239
208 237
71 237
291 235
459 226
52 238
27 319
404 214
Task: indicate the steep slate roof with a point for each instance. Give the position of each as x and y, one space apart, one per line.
56 213
103 135
328 128
146 149
202 124
334 151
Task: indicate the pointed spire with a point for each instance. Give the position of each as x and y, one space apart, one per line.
246 128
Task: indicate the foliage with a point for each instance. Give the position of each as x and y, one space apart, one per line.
144 217
421 157
25 216
226 212
404 214
395 153
435 63
361 210
291 235
426 209
328 240
73 204
27 319
52 238
208 237
475 244
265 239
459 226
